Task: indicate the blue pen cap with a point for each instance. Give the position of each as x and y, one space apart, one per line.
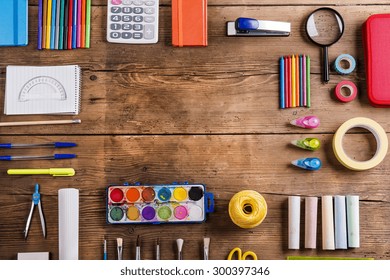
64 156
64 144
246 24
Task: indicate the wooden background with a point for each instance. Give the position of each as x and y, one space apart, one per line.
158 114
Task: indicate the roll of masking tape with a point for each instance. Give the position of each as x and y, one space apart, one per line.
345 91
344 64
381 143
247 209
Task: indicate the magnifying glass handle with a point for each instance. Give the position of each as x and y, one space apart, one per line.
325 61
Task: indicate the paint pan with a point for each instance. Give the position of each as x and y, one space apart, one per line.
155 204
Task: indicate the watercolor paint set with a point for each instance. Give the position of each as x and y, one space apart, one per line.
156 204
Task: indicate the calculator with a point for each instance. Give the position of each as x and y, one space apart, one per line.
132 21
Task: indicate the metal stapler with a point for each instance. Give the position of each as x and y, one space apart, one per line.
253 27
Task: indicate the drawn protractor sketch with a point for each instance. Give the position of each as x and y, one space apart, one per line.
42 88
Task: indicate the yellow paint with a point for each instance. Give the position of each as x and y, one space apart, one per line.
180 194
132 213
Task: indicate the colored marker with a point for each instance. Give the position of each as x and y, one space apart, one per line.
289 81
53 24
44 15
297 98
285 83
300 81
66 27
88 24
304 80
281 77
83 15
78 33
308 81
61 26
293 86
48 23
40 22
49 171
74 23
70 24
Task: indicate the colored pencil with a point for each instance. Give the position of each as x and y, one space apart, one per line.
74 23
289 81
66 27
308 81
40 20
83 16
300 82
304 80
44 15
297 98
286 83
48 23
78 33
61 28
70 24
88 24
53 24
293 86
281 78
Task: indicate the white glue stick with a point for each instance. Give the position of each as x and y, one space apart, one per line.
353 221
340 222
327 223
294 214
311 207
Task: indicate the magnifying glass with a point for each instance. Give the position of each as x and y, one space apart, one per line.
325 27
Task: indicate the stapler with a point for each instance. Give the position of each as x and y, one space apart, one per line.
253 27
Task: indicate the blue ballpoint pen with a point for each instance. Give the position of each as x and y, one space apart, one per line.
42 145
55 156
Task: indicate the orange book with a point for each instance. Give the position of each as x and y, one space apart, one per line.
189 23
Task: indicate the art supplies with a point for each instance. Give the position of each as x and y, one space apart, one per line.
26 123
55 156
253 27
353 224
179 243
64 24
38 145
138 249
311 208
241 256
14 23
105 256
344 64
340 222
310 144
310 163
206 246
68 224
294 218
327 223
306 122
155 204
49 171
42 90
158 249
345 91
324 27
294 77
119 248
247 209
36 201
189 23
381 144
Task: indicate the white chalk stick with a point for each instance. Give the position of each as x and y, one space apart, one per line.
294 215
340 222
311 207
327 223
353 221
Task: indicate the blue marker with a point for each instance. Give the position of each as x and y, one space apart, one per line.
74 22
281 74
53 24
308 163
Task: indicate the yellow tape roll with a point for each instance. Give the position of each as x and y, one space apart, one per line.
375 129
247 209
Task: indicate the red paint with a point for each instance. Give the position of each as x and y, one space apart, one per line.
116 195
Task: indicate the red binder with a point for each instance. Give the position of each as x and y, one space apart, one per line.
376 41
189 23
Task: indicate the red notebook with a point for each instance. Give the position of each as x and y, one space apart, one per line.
376 41
189 23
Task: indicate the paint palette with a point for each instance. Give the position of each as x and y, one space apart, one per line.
155 204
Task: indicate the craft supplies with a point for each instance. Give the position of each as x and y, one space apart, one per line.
156 204
206 246
241 256
55 156
138 249
352 205
119 248
310 163
381 143
324 27
294 77
68 224
345 91
14 23
247 209
310 144
105 249
253 27
344 64
49 171
36 201
311 208
306 122
40 122
294 217
179 243
340 222
38 145
158 249
327 223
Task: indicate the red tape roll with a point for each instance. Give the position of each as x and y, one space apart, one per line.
346 91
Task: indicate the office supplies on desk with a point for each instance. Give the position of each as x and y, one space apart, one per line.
14 23
88 25
311 163
340 222
38 145
311 209
293 81
353 224
68 224
281 85
306 122
49 171
75 24
206 247
36 201
189 23
61 25
247 209
241 256
344 64
42 42
119 248
327 223
310 144
40 122
294 218
48 23
324 27
138 249
179 243
53 24
105 249
308 99
156 204
40 23
42 90
345 91
253 27
55 156
43 256
83 16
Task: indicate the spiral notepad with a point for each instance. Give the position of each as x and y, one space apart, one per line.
42 90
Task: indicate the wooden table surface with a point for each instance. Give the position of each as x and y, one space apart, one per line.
157 114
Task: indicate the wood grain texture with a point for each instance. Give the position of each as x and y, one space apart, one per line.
157 114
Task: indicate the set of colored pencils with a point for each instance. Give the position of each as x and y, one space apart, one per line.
294 76
64 24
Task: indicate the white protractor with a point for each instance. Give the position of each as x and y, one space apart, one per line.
33 89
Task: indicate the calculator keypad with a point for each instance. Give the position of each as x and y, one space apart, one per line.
132 21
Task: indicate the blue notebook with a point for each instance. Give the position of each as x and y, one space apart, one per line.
13 22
